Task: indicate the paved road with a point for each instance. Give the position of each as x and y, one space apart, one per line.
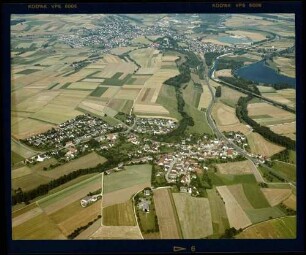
169 170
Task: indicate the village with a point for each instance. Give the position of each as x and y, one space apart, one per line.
178 163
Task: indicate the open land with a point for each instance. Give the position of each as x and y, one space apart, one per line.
273 229
169 228
194 215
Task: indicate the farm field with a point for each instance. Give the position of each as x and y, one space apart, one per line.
62 198
117 233
226 119
264 214
230 179
259 145
122 195
230 96
290 202
15 158
29 181
168 226
27 127
236 216
224 73
167 98
119 215
276 196
241 167
194 216
38 227
287 169
90 160
127 178
200 122
22 149
267 114
205 98
282 228
218 213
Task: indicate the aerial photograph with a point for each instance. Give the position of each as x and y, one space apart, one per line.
153 126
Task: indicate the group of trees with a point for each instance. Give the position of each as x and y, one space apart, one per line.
211 56
242 114
230 233
241 83
218 91
282 156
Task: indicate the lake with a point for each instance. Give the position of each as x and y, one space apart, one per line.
259 72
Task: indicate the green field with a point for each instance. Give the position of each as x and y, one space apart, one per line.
255 196
15 157
218 213
90 160
218 179
282 228
167 98
114 80
119 215
200 123
132 175
29 181
28 71
44 202
263 214
292 157
286 169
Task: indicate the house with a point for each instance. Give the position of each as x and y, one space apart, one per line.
183 189
144 205
86 201
147 192
89 200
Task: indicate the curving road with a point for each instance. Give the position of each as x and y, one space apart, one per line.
241 151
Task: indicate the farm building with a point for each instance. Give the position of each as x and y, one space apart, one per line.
89 200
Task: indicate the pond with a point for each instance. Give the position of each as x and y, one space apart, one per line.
261 73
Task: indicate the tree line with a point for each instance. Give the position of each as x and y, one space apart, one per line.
20 196
242 114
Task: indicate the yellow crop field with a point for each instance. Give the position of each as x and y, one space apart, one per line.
276 196
259 145
236 216
27 127
223 72
282 228
56 114
117 233
38 227
127 93
205 98
36 102
150 109
194 216
119 215
241 167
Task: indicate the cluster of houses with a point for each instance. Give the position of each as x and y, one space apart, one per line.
154 125
79 129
